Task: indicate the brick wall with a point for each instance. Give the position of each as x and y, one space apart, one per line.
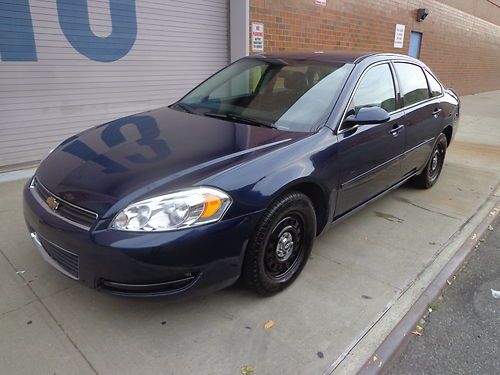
462 50
488 10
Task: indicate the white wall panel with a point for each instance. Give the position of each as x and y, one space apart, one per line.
178 44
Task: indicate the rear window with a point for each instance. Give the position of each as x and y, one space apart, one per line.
413 83
434 85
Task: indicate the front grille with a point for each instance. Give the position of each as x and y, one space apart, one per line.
65 209
66 259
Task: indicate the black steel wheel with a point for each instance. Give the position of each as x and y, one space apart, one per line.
428 177
284 249
280 247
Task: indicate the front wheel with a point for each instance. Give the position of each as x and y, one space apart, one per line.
428 177
281 244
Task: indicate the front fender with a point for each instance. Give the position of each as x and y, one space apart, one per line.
310 161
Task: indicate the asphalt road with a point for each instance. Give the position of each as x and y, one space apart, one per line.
462 336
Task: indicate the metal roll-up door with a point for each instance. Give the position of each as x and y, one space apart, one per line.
68 65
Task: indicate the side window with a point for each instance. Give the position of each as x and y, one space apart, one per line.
434 85
376 88
413 83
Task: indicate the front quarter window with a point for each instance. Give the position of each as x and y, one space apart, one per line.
295 95
376 88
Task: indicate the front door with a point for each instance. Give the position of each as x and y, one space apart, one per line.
370 155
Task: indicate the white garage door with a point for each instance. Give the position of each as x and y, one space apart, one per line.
67 65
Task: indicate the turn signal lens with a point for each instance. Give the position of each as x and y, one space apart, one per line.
212 205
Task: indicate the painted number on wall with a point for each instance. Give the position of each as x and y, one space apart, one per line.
17 38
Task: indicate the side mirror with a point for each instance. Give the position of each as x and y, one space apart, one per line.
365 116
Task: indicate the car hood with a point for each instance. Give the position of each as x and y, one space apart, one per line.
151 153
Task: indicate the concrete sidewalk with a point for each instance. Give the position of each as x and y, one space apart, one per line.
363 276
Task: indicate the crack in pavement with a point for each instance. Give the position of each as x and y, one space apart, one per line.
38 299
388 217
17 308
404 200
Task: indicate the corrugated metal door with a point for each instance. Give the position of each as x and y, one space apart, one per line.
67 65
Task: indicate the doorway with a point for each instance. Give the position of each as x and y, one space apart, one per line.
415 43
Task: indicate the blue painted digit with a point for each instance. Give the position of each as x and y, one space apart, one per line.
148 129
81 150
17 40
75 24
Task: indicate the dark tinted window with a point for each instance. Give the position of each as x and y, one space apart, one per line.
413 83
434 85
376 88
292 94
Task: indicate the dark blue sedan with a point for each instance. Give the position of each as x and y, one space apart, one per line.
237 178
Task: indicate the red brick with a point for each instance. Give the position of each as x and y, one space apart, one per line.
463 50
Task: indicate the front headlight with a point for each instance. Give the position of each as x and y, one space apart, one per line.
187 208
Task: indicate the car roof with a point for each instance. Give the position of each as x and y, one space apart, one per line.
353 57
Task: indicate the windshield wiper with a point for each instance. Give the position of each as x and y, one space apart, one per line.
238 118
182 106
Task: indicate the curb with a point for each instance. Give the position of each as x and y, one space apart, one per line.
16 175
394 344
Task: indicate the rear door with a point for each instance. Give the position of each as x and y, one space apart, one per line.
423 112
370 155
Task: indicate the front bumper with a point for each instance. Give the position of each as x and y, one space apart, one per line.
178 263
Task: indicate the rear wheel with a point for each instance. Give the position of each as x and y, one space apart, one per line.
281 244
428 177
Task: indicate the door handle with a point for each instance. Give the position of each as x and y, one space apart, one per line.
396 129
436 112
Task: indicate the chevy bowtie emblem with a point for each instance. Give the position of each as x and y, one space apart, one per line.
52 203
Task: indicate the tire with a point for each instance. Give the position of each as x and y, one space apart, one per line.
269 267
428 177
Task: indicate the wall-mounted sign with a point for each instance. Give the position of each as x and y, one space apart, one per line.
320 2
399 36
257 37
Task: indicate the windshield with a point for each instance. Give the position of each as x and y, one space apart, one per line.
294 95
